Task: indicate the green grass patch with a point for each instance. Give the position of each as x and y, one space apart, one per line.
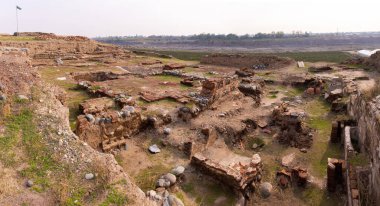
40 158
115 198
21 130
208 193
358 160
168 78
251 140
18 38
146 179
320 120
182 55
323 56
314 196
76 198
272 96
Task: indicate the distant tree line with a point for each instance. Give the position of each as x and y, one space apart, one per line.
213 37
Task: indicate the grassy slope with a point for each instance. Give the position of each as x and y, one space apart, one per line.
322 56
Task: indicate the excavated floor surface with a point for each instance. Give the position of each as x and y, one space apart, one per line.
237 140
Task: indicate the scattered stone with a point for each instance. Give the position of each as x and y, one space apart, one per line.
265 189
167 131
256 159
29 183
89 176
130 109
160 183
262 123
303 150
22 97
178 170
151 193
90 117
301 64
288 160
171 178
334 95
173 201
255 146
3 97
154 149
59 61
61 78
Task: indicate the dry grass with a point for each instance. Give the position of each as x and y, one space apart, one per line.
372 92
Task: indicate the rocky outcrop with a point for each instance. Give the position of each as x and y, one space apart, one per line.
374 60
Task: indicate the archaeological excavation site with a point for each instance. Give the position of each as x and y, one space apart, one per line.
89 123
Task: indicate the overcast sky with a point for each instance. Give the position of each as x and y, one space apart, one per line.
182 17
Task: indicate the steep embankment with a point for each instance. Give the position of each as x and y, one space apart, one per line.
37 146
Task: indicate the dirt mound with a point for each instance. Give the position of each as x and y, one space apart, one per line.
249 61
51 36
374 60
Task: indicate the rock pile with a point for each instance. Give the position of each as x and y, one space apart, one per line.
164 183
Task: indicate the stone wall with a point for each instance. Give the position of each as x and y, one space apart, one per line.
108 130
367 115
214 89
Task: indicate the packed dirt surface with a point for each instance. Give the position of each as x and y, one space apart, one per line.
113 127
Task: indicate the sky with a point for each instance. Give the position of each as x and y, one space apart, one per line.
94 18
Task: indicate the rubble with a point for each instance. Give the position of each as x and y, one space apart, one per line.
334 95
96 105
292 130
245 72
252 90
154 149
173 66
